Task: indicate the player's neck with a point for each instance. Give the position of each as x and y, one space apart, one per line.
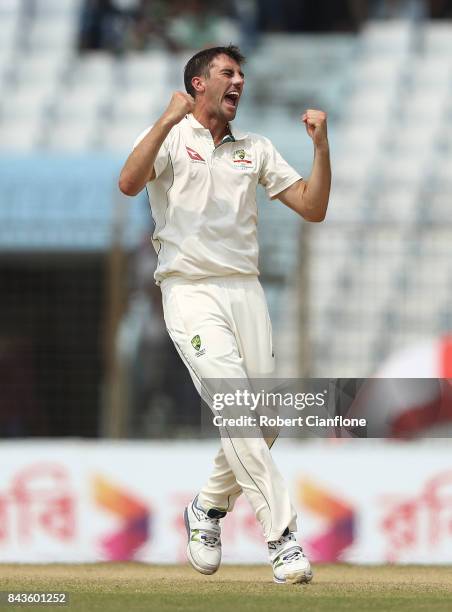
216 126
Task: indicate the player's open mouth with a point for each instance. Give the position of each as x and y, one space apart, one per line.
232 98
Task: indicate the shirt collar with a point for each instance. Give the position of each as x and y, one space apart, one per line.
237 134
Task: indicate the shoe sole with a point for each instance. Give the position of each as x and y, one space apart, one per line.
201 570
295 578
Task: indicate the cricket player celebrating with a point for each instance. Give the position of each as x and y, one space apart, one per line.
201 176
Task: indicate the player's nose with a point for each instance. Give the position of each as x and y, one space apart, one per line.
238 80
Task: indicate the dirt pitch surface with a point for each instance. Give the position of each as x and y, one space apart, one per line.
131 587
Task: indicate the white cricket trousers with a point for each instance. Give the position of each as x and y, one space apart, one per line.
230 316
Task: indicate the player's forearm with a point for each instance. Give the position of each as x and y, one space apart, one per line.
139 167
317 190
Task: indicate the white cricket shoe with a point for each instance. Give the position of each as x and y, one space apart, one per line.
204 542
290 565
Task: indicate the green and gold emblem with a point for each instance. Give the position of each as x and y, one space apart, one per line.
196 342
242 158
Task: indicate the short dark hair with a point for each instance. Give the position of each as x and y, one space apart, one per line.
200 63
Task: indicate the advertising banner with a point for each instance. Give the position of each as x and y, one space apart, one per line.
363 501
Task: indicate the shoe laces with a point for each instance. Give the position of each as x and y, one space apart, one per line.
209 539
215 522
294 553
210 533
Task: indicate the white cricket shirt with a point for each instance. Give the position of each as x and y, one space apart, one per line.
203 200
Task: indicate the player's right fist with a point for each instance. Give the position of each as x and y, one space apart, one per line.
180 105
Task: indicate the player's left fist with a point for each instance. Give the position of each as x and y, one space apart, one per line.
315 122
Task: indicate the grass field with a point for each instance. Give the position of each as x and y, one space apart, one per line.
138 587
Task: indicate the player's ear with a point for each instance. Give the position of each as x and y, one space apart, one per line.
198 84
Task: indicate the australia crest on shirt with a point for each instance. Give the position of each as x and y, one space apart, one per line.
242 159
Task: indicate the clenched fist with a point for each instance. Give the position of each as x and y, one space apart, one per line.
180 105
315 121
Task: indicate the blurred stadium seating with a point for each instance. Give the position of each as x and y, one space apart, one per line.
343 295
380 267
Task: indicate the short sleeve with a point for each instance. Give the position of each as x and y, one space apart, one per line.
276 174
161 161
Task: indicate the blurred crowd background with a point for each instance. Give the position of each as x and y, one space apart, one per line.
83 347
122 25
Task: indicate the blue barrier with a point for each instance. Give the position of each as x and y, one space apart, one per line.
66 203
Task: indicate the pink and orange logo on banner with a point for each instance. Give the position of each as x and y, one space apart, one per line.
123 544
339 518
